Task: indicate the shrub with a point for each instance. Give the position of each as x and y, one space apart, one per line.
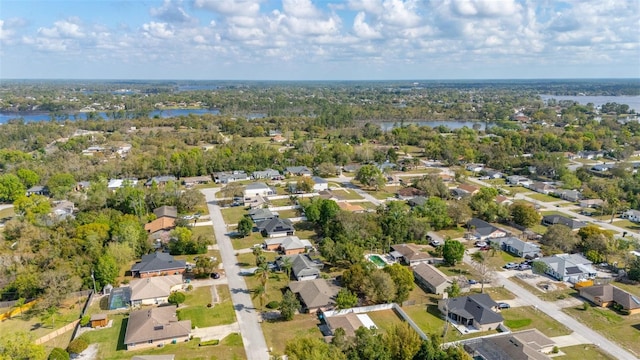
176 298
58 354
84 321
555 350
190 287
209 342
273 305
209 305
77 346
585 306
126 281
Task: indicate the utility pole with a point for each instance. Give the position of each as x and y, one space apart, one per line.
94 282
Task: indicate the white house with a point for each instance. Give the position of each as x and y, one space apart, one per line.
257 189
319 184
632 215
154 290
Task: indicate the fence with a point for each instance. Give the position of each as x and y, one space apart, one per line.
84 310
55 333
406 318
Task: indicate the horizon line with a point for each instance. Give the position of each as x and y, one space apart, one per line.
321 80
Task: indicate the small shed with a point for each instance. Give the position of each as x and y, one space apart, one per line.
99 320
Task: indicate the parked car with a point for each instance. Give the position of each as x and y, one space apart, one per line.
485 248
435 243
215 275
480 243
524 267
502 305
472 282
511 265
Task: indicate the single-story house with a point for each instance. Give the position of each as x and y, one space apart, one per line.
593 203
410 254
568 267
160 224
268 174
349 322
38 190
542 188
158 264
98 320
569 195
469 189
303 267
299 171
276 227
290 245
225 177
155 327
430 278
319 184
518 180
115 184
316 294
154 290
523 345
590 155
549 220
492 174
161 180
503 200
257 189
632 215
417 201
166 211
261 214
475 311
63 209
608 295
474 167
518 247
196 180
409 193
601 168
482 230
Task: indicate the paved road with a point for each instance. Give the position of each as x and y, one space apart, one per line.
248 319
556 313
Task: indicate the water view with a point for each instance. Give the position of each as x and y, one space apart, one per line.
632 101
451 124
167 113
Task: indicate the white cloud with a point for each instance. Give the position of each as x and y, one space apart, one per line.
300 8
158 30
62 29
172 12
230 7
362 29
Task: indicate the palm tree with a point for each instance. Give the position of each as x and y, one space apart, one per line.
263 272
18 305
50 313
287 264
494 247
260 292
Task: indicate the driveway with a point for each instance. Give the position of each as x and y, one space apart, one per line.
215 332
248 319
555 311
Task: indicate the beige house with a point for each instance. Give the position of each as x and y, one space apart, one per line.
155 327
154 290
314 295
609 295
410 254
430 278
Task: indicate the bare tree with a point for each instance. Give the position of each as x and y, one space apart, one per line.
485 271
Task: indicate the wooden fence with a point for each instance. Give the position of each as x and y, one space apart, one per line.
57 332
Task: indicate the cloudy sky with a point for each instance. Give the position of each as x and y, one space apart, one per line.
319 39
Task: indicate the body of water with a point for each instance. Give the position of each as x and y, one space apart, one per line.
451 124
33 117
632 101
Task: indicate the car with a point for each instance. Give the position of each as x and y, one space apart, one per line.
485 248
480 243
524 267
503 305
215 275
472 282
511 265
435 243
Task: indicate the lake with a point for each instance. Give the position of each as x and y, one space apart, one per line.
451 124
632 101
167 113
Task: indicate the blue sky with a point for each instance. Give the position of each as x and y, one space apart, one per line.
319 39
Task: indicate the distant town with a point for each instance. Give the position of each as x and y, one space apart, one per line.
320 220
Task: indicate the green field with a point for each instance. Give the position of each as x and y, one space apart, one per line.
543 197
195 308
583 352
232 215
277 333
523 318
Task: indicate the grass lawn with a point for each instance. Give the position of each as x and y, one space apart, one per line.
385 319
459 269
247 242
110 342
496 293
7 213
538 229
195 308
523 318
249 260
623 329
623 223
206 231
559 294
454 233
61 341
543 197
500 259
517 190
233 215
582 352
277 281
545 213
279 202
347 194
286 214
277 333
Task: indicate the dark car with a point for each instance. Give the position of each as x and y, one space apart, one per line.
215 275
503 305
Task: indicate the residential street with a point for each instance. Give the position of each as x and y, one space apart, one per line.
554 311
254 344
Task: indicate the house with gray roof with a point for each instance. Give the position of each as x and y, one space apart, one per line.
261 214
158 264
482 230
276 227
518 247
632 215
161 180
569 195
568 267
609 295
549 220
38 190
166 211
225 177
154 327
289 245
299 171
410 254
268 174
430 278
154 290
523 345
316 294
476 311
303 267
257 189
319 184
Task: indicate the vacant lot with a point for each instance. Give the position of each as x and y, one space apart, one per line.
543 197
233 215
583 352
523 318
622 329
277 333
204 231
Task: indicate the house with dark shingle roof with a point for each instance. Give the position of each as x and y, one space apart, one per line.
430 278
409 193
482 230
155 327
261 214
410 254
276 227
549 220
568 267
168 211
158 264
303 267
316 294
476 311
523 345
518 247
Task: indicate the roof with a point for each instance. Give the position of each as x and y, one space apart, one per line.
155 324
276 225
195 179
430 274
160 179
568 264
168 211
608 293
523 345
319 180
315 293
410 252
563 220
98 317
349 323
261 213
257 186
266 173
410 191
417 201
478 307
517 244
162 223
302 265
468 188
153 287
291 243
157 261
482 227
298 170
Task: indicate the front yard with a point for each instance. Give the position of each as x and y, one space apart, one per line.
195 308
543 197
523 318
582 352
232 215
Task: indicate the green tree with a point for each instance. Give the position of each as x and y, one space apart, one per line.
380 287
346 299
634 270
560 238
61 184
525 215
289 305
259 292
453 290
304 184
245 226
436 211
106 270
176 298
58 354
287 265
452 251
28 177
204 267
368 344
32 207
10 188
539 267
402 341
370 176
432 350
19 345
312 348
403 278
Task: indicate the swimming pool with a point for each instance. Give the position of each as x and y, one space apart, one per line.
376 259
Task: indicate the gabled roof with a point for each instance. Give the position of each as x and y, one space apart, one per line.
158 261
477 307
168 211
468 188
257 186
266 173
319 180
568 264
292 243
348 322
276 225
430 274
298 170
163 223
410 252
155 324
523 345
160 179
482 227
608 293
563 220
261 213
153 287
302 265
517 244
315 293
